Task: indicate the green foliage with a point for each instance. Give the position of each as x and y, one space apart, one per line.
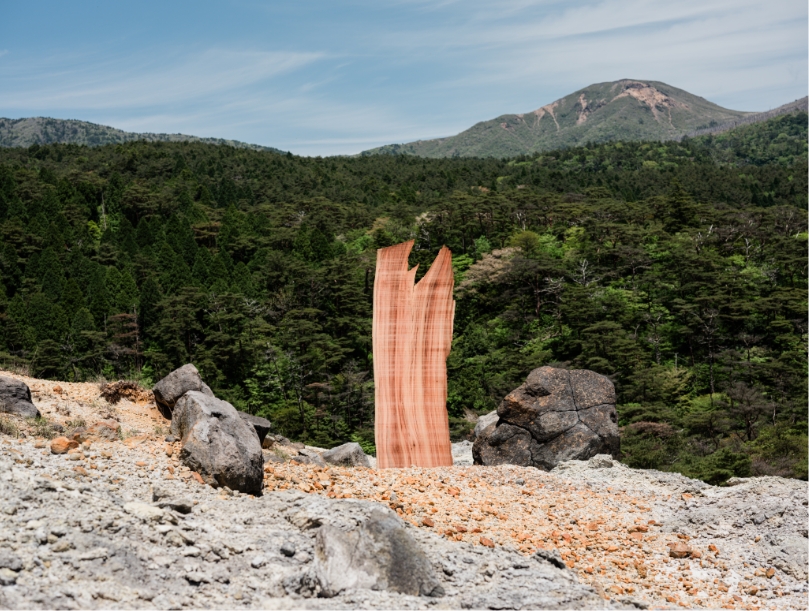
684 281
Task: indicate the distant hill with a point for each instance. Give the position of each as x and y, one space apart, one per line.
797 106
777 137
44 130
621 110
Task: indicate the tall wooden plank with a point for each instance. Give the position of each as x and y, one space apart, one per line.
412 336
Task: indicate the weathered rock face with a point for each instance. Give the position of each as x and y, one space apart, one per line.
412 335
557 415
346 455
217 443
261 425
15 398
377 555
169 390
484 421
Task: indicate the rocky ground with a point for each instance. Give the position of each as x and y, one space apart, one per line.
121 523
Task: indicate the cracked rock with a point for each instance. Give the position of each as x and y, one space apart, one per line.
556 416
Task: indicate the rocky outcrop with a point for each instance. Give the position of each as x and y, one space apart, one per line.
346 455
376 555
169 390
15 398
261 425
217 443
557 415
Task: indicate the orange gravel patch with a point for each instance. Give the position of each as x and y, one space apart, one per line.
606 536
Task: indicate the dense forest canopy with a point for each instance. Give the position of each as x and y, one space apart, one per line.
677 269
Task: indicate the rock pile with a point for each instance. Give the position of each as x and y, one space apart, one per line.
557 415
219 443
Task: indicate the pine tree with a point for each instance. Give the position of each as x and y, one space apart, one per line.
150 296
72 298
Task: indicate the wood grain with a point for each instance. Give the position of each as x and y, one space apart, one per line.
412 336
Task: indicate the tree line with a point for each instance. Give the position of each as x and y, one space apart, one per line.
677 269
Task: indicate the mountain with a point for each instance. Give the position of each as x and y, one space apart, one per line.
797 106
44 130
620 110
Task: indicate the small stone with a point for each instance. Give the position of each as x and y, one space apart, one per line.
9 560
485 541
679 550
7 577
62 545
427 522
258 562
144 511
288 549
770 573
61 445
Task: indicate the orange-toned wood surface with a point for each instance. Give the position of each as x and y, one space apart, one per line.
412 335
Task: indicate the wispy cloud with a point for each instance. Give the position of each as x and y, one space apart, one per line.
129 82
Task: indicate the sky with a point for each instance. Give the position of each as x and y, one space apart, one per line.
339 77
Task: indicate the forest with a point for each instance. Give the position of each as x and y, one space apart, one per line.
678 269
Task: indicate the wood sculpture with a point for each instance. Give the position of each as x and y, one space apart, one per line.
412 335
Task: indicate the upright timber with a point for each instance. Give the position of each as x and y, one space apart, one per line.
412 336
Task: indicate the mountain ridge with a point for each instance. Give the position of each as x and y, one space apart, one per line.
26 132
626 109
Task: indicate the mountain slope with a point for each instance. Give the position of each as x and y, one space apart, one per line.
620 110
44 130
791 108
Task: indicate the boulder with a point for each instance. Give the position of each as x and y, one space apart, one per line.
376 555
346 455
557 415
169 390
261 425
15 398
310 457
217 443
484 421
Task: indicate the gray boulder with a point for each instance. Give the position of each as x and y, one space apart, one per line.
261 425
15 398
484 422
557 415
376 555
346 455
169 390
217 443
310 457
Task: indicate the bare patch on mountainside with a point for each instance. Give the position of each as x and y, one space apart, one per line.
655 99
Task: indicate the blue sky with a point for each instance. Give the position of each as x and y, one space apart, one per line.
339 77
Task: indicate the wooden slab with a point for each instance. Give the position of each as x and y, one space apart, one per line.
412 336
